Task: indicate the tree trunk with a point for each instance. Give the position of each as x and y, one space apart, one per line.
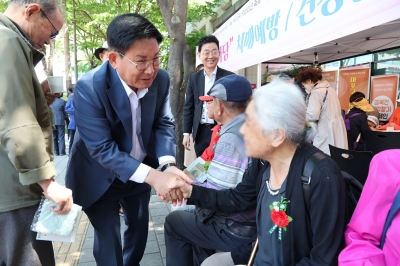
67 55
174 13
48 61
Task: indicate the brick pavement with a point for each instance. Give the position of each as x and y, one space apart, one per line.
80 253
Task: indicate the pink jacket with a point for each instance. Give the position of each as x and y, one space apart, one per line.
363 233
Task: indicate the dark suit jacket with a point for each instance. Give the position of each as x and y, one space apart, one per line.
193 106
58 108
103 142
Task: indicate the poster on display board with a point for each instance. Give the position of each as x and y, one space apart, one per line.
351 80
384 94
262 30
331 77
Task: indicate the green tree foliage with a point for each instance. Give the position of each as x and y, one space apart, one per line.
3 5
199 11
93 16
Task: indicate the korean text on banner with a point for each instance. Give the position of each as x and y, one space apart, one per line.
263 30
350 81
331 77
384 94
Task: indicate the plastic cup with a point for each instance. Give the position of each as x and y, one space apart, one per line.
56 84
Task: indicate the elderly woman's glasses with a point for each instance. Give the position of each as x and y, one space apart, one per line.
142 65
53 35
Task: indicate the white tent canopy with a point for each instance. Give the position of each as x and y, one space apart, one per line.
375 39
288 31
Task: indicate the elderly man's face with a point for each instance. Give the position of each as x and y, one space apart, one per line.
210 109
143 51
257 144
38 27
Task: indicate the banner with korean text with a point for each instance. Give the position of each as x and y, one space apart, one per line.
352 80
384 94
331 77
266 29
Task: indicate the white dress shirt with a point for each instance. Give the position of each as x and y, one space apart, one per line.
138 151
208 83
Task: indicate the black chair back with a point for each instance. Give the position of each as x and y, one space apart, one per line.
350 140
356 163
377 141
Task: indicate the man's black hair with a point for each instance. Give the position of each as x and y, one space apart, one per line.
128 28
208 39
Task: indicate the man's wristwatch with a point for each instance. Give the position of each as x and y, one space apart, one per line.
167 165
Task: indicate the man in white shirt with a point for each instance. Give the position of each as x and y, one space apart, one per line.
125 130
195 117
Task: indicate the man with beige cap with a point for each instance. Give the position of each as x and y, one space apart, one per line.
101 53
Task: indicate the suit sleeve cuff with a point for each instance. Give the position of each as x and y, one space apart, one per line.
140 174
167 158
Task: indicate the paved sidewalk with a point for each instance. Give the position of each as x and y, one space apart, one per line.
81 251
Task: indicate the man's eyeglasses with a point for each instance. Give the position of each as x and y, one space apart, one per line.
144 64
213 53
53 35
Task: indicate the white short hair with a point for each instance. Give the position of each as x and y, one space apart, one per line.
281 105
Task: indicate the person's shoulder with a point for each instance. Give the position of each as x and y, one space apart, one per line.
325 166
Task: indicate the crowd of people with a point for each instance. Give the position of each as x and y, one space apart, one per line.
121 129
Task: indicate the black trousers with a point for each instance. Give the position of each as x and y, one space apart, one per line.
189 241
203 139
104 215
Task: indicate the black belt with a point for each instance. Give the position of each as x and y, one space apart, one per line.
208 125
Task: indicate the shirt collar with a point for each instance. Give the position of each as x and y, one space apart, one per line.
140 92
237 119
214 72
21 31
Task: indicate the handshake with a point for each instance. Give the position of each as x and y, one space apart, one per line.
171 185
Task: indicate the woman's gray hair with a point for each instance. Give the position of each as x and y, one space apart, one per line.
281 105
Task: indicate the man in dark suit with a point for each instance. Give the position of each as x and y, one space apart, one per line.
195 117
125 129
58 108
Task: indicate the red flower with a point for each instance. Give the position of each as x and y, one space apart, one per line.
279 218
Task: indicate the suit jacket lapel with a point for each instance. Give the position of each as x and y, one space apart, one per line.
219 74
200 82
119 100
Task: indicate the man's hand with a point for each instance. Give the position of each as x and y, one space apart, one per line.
50 97
185 188
161 181
180 173
186 142
58 194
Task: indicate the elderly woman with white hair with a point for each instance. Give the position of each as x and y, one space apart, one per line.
290 231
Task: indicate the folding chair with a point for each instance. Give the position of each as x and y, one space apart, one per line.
356 163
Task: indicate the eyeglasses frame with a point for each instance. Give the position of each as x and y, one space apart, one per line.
53 35
147 62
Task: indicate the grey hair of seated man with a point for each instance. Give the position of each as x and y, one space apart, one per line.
281 105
